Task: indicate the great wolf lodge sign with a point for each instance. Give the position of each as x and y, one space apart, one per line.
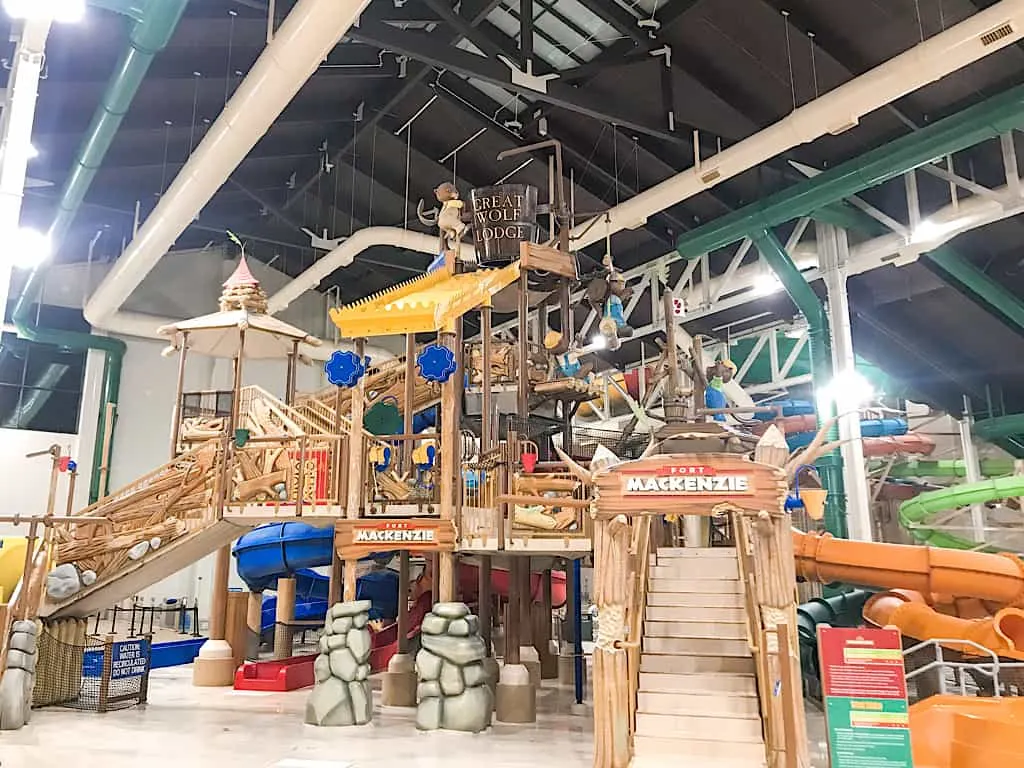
503 217
687 480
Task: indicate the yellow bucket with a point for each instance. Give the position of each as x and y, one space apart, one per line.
814 501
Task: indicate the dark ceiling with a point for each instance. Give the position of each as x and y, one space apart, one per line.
338 160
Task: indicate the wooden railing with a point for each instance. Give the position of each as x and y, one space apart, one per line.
640 549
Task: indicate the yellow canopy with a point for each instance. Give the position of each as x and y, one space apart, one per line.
430 303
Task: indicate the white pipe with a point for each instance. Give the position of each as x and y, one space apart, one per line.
300 45
834 112
19 114
344 254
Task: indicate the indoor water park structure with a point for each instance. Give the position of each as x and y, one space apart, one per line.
591 502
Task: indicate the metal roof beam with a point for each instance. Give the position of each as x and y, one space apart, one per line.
427 50
474 33
476 11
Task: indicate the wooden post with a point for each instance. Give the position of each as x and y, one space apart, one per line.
336 585
525 603
219 597
254 624
512 621
542 637
403 600
409 398
449 465
484 598
789 698
485 379
284 616
523 402
176 425
236 385
356 465
108 666
673 385
435 584
292 375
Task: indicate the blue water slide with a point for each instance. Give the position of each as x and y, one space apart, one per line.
425 419
293 549
868 428
789 408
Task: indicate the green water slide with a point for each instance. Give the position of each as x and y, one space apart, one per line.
915 513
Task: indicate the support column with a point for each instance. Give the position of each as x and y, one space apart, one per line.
336 585
398 688
254 624
579 665
542 630
833 254
972 469
283 617
356 466
449 464
176 426
485 599
215 664
516 699
528 655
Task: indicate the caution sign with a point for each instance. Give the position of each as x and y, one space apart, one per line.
865 691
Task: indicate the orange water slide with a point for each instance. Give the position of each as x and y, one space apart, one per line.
944 573
1002 633
967 732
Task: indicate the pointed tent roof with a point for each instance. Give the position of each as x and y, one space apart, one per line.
217 334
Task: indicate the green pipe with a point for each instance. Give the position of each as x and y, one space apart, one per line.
914 512
155 22
983 286
999 427
830 467
946 468
983 121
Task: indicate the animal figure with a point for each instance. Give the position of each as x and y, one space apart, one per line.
607 295
718 375
448 220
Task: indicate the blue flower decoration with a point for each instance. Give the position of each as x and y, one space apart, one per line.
345 369
436 363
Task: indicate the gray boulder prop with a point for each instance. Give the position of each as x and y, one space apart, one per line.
19 677
62 582
341 695
453 693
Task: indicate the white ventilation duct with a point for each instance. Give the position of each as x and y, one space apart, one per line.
838 110
299 46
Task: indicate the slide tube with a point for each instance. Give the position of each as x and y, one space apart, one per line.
914 513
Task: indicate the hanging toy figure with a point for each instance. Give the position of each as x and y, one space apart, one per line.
718 375
568 362
451 227
607 295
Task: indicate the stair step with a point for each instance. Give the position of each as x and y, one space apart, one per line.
696 552
685 568
695 613
699 705
697 586
686 665
711 728
708 683
690 646
705 629
693 600
655 752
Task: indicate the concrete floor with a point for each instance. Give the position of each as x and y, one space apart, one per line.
223 728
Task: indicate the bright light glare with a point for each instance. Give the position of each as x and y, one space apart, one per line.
28 248
766 283
58 10
929 231
31 152
598 341
849 390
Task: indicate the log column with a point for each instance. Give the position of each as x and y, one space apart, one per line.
283 617
399 683
356 466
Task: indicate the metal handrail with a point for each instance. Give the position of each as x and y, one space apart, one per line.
990 669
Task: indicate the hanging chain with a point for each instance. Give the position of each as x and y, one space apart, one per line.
408 162
195 112
615 161
920 21
163 169
373 169
789 58
814 65
231 43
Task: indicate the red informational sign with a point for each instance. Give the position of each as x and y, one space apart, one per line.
865 697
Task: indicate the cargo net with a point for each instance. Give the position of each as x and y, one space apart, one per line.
87 673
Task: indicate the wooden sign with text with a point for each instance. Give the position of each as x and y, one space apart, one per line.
357 538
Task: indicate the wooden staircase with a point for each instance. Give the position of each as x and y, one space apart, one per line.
697 700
